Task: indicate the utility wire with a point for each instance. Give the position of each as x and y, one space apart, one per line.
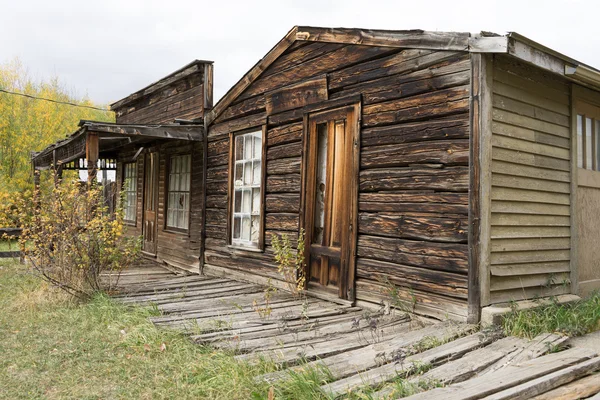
53 101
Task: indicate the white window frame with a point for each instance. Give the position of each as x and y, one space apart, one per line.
179 185
250 165
130 172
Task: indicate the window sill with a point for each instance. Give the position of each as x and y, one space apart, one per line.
243 248
130 223
177 231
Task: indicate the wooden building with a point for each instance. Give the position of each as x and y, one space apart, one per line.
460 169
157 154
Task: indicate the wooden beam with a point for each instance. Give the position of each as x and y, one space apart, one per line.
92 151
414 39
179 132
208 86
479 184
488 44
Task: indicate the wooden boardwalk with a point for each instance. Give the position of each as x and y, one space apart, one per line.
362 347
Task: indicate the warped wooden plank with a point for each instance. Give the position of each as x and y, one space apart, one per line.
273 329
548 382
580 389
407 365
313 330
513 375
367 357
323 347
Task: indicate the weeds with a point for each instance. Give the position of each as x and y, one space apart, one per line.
573 319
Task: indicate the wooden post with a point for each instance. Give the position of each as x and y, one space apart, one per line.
91 155
479 184
57 169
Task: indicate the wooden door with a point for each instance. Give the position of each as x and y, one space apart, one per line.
330 203
150 202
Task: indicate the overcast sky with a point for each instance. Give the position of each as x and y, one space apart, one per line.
108 49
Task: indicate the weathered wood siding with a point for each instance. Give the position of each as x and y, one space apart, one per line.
183 98
530 212
413 202
177 249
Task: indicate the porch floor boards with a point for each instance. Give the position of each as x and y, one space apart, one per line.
360 347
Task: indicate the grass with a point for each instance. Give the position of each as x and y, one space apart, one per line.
573 319
55 348
9 245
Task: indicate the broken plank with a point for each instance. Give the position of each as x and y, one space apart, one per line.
513 375
579 389
548 382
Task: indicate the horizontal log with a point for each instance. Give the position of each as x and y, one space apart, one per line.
216 187
297 95
282 202
284 151
282 221
448 152
216 201
456 251
296 56
284 134
453 203
336 59
436 97
455 127
453 179
222 130
218 147
417 278
216 216
419 228
418 261
403 62
249 106
284 166
283 183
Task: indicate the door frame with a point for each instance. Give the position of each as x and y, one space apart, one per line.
347 287
156 199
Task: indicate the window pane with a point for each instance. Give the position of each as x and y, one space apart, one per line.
247 201
239 147
321 184
255 228
257 147
588 143
237 201
237 224
178 199
239 174
256 173
248 173
248 147
580 141
256 201
245 228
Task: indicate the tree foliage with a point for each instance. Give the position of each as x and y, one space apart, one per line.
30 125
73 241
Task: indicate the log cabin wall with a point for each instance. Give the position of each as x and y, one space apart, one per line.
177 249
414 167
530 187
183 94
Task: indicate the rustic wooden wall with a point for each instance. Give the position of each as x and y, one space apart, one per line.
588 230
183 98
413 202
178 249
530 215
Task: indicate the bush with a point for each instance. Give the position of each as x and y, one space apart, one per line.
72 240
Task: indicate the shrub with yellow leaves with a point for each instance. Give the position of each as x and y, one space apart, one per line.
72 241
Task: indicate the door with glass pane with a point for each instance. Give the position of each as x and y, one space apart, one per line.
149 226
330 201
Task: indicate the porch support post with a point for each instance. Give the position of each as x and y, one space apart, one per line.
91 155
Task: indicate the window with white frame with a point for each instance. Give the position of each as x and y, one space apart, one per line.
588 142
247 197
178 200
130 191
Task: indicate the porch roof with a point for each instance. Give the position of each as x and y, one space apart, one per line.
110 137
